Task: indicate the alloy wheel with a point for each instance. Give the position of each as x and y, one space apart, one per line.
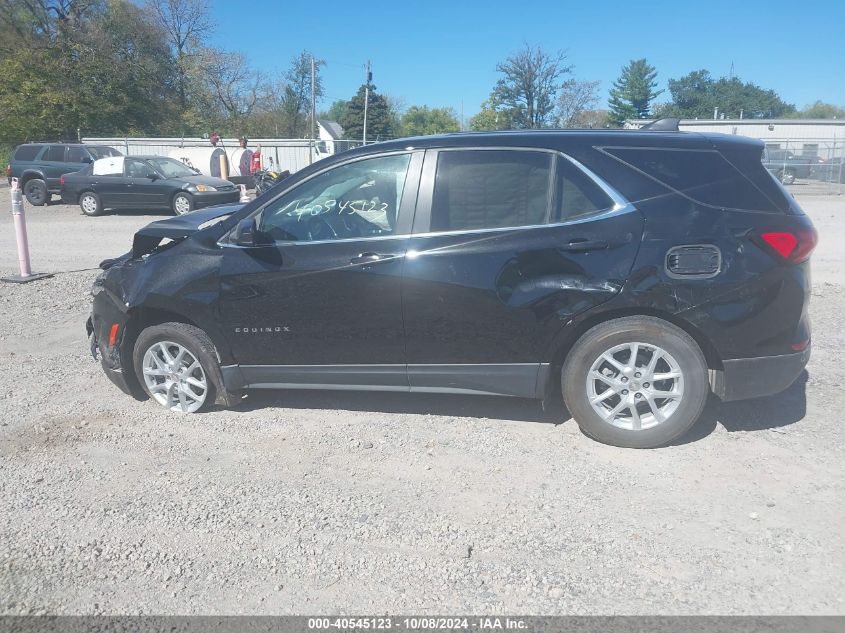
89 205
182 205
174 377
635 386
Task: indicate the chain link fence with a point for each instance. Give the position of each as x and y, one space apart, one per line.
808 166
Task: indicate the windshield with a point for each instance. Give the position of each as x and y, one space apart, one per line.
171 167
102 152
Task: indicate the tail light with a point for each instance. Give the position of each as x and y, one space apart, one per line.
62 180
794 246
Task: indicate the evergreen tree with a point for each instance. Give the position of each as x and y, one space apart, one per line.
632 94
380 119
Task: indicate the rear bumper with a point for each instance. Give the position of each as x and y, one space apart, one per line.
744 378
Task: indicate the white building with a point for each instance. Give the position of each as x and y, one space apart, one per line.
809 137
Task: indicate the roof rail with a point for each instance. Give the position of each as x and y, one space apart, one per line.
663 125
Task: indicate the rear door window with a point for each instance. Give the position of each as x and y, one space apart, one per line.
27 152
76 155
578 195
703 176
489 189
56 153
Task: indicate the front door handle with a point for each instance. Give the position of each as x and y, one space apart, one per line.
365 258
582 244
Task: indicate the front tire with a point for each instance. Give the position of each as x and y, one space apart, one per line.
635 382
176 365
787 176
90 204
36 192
182 203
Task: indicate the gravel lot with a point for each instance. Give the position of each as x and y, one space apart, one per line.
312 502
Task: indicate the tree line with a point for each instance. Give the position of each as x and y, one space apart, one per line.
102 67
538 89
116 67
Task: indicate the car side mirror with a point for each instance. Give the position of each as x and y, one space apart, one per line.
244 234
152 175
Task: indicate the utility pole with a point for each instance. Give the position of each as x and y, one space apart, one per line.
313 111
367 98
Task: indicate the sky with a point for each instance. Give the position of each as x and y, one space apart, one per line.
439 53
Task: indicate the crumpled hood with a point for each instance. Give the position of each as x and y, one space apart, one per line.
177 228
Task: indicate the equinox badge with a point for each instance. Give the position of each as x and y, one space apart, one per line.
262 330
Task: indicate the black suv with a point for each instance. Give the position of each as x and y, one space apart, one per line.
40 166
632 271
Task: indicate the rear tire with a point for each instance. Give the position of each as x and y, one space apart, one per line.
182 203
617 401
90 204
36 192
176 364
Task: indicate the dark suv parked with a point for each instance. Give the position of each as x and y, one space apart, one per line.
39 166
786 166
635 272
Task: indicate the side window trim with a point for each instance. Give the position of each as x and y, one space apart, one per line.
405 214
422 219
620 203
554 195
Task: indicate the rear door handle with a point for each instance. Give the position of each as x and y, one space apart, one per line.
365 258
582 244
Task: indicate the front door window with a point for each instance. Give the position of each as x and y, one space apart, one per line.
353 201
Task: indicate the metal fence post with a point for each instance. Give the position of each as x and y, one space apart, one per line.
21 239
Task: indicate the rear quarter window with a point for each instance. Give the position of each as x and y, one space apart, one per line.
27 152
703 176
